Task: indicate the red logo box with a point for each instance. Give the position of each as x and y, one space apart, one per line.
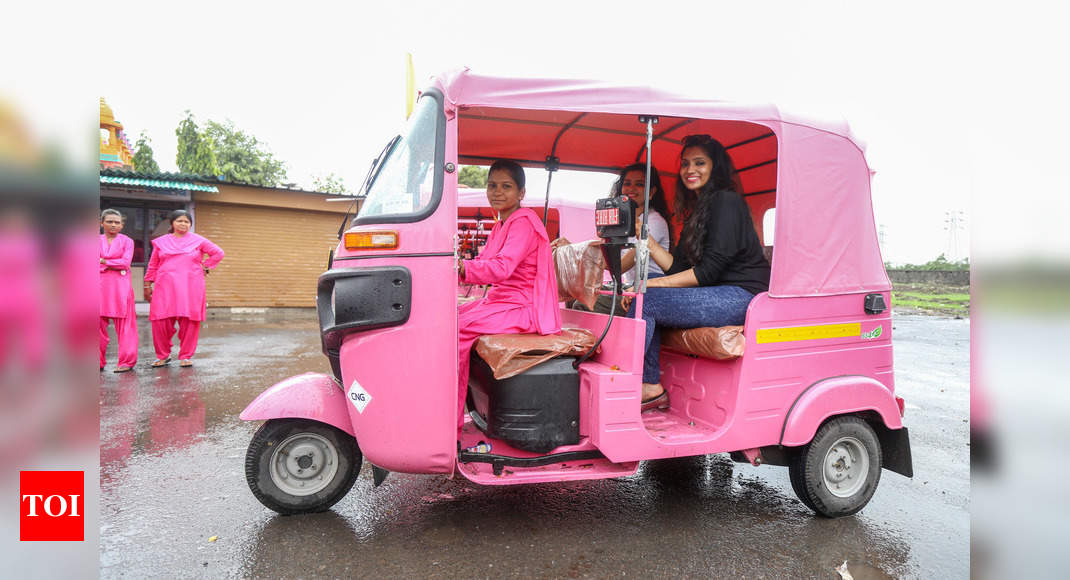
51 506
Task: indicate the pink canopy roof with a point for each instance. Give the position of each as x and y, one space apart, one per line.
813 172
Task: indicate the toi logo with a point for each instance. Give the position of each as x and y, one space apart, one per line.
51 506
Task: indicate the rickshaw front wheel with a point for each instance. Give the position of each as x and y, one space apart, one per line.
837 473
296 466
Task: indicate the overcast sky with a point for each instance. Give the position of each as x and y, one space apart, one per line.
951 99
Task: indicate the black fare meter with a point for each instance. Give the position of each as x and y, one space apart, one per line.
614 219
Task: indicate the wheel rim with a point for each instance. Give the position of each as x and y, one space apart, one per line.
846 467
303 464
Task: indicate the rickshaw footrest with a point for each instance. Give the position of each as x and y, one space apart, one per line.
499 462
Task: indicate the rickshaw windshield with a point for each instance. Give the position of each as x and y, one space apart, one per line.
405 186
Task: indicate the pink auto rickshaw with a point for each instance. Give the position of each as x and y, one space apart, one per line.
813 390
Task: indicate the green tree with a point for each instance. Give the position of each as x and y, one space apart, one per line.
143 160
330 184
472 176
195 151
241 157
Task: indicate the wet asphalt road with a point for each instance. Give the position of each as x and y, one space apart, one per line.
172 477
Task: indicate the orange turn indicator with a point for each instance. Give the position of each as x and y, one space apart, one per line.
377 240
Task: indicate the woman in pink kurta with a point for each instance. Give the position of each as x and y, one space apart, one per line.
176 274
117 291
516 261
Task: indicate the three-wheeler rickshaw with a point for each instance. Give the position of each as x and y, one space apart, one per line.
813 389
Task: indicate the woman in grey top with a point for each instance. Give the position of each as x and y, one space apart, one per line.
631 182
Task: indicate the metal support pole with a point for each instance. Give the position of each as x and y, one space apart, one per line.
552 164
642 252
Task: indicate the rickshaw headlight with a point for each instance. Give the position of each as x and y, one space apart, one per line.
377 240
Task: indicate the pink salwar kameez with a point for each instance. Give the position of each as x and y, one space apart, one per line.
178 296
117 299
523 298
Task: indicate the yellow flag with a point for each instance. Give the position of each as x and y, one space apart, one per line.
410 88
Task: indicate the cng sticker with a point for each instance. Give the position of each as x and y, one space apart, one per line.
359 397
875 333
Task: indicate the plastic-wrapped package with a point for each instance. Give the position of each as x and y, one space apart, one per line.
721 343
579 272
511 354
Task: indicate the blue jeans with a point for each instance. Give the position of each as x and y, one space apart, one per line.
687 308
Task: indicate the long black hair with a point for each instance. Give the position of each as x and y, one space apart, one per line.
658 202
695 208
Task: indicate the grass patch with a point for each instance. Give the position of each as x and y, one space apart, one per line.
951 301
952 298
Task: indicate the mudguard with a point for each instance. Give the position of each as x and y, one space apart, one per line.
313 396
837 396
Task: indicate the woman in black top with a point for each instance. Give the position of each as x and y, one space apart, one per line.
714 270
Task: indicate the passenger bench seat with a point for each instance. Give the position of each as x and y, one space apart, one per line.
716 342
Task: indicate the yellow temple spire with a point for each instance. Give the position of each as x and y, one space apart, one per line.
115 150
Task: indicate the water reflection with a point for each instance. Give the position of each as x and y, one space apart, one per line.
158 412
118 424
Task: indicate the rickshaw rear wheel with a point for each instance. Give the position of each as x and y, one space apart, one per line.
296 466
837 473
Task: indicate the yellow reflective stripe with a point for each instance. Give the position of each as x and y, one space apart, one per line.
808 332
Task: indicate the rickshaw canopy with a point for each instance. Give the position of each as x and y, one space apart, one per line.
812 171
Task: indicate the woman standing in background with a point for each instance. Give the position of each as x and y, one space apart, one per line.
117 291
175 286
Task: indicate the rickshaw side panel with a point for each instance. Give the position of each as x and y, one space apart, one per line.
721 405
794 343
313 396
408 371
702 388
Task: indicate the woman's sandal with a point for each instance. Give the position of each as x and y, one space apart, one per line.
123 369
161 362
659 402
185 363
